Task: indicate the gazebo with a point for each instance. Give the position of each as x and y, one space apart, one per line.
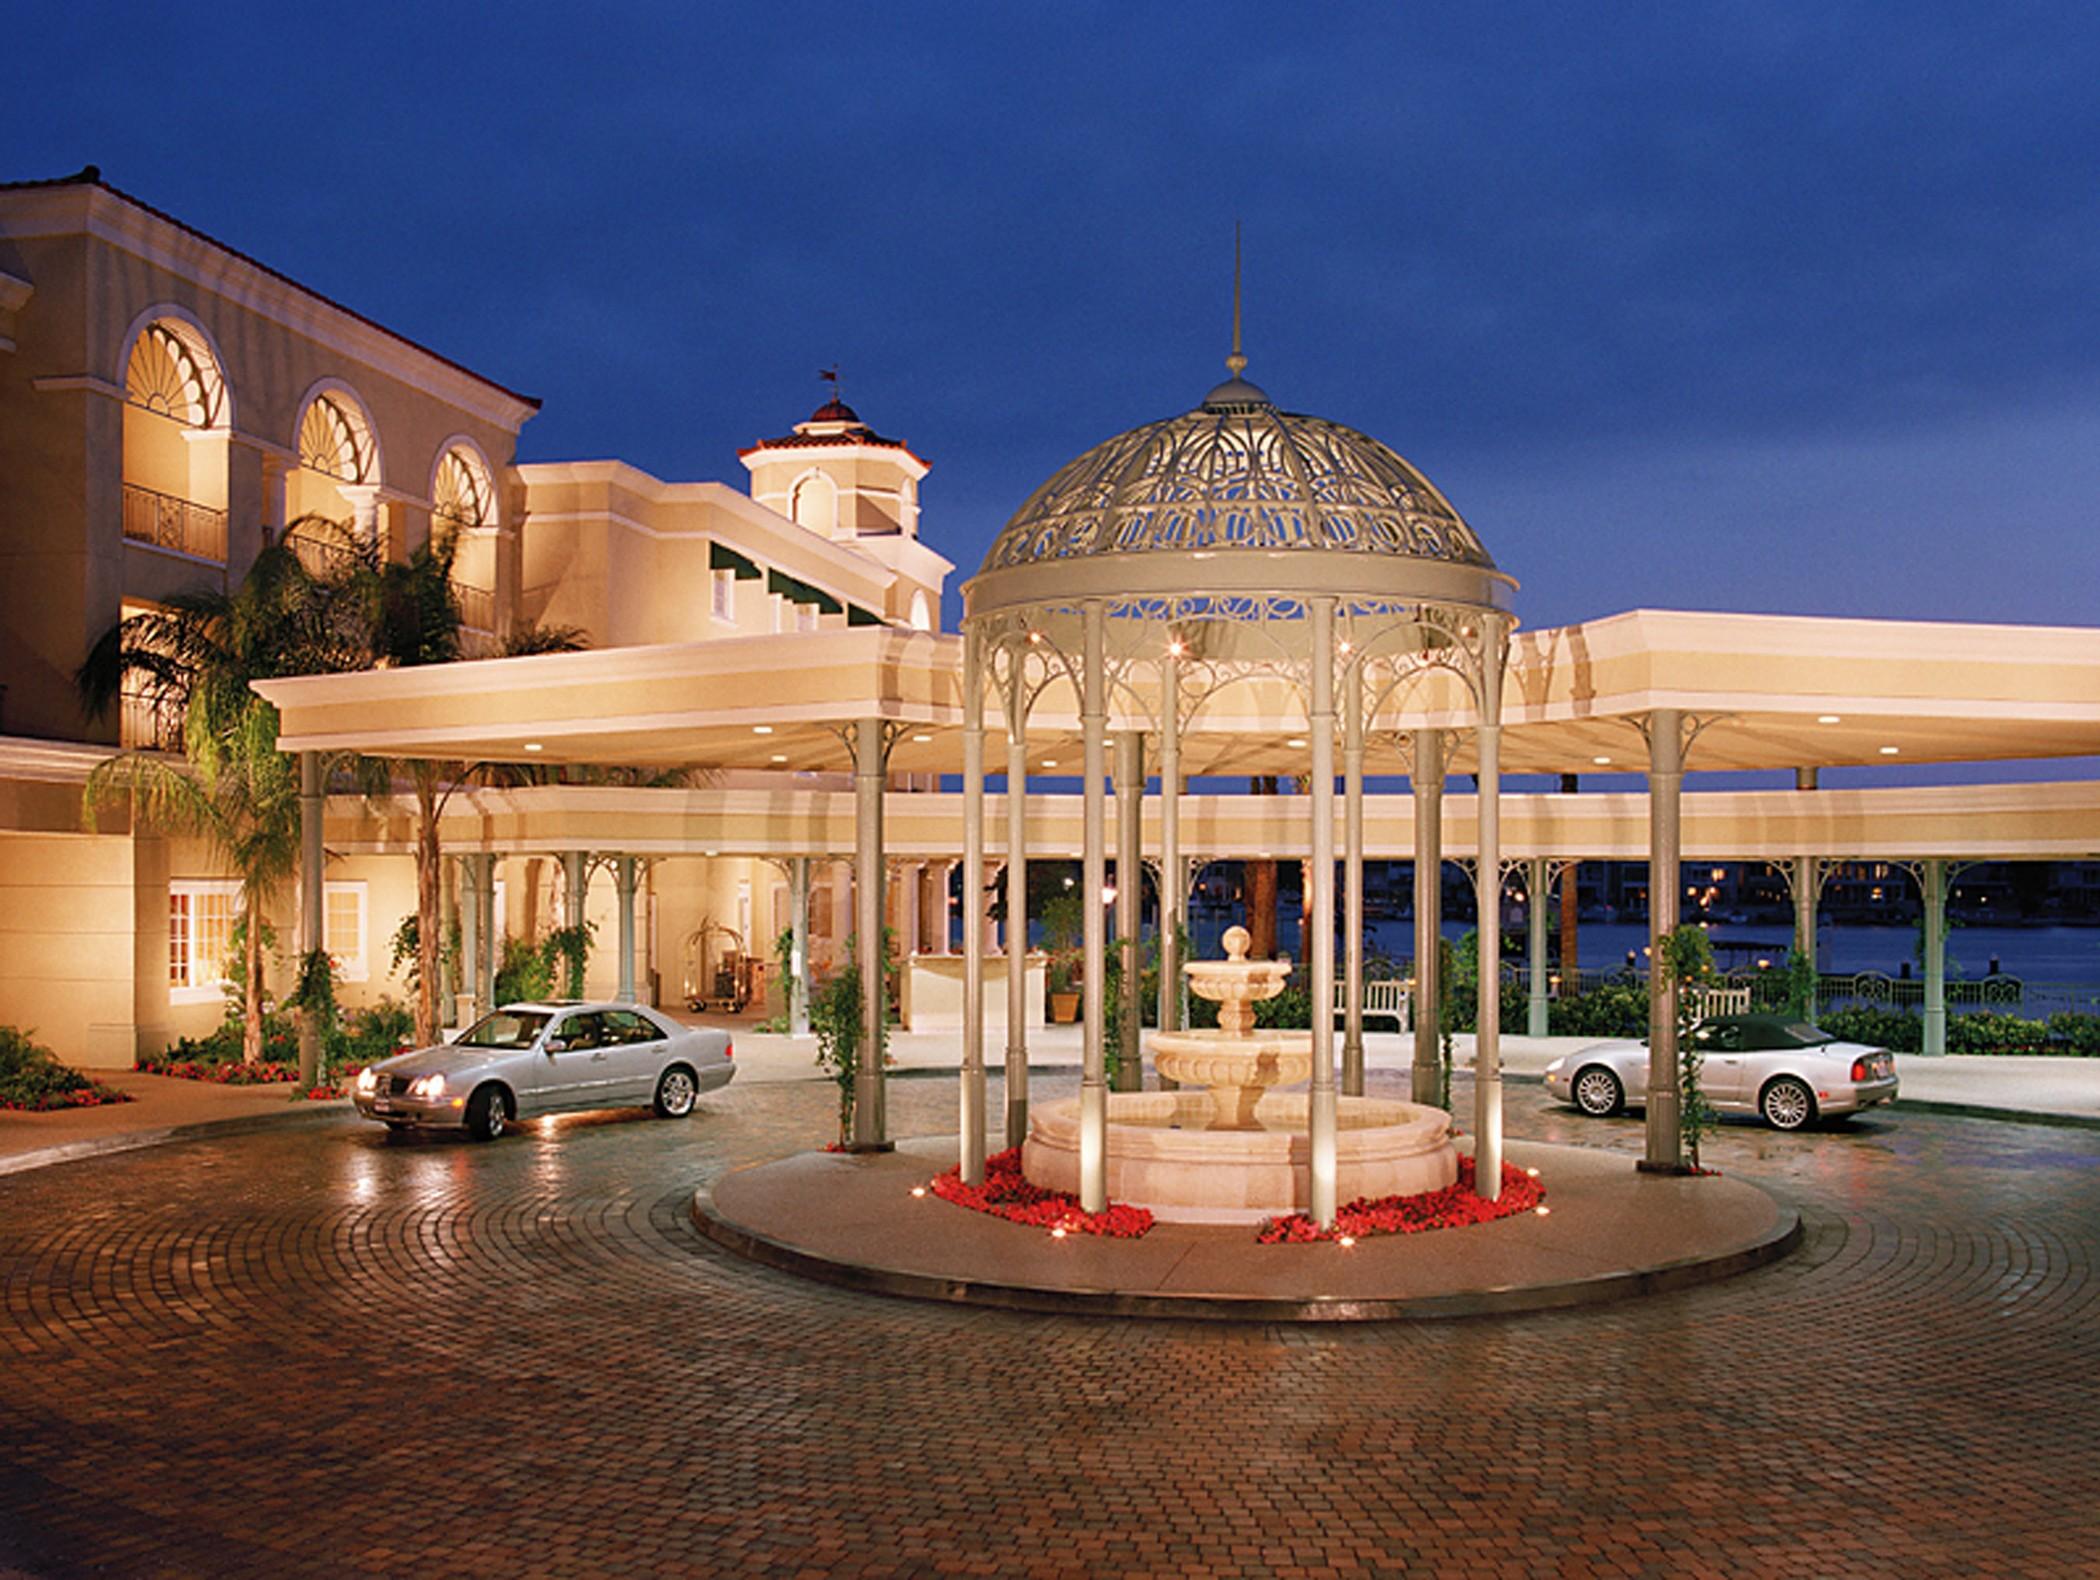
1242 548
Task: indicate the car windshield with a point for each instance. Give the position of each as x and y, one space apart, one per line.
507 1028
1801 1033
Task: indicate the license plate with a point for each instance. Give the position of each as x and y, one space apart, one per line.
382 1105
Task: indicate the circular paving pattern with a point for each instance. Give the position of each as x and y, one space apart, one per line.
318 1352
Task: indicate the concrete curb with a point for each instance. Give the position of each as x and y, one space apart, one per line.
204 1129
2011 1116
1786 1234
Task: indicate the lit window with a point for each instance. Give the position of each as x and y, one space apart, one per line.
343 929
201 918
462 493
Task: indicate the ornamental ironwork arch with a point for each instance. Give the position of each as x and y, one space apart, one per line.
335 439
172 371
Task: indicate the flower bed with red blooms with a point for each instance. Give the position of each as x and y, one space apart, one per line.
231 1072
1006 1193
1453 1207
93 1095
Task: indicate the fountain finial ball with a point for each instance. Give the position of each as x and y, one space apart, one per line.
1236 940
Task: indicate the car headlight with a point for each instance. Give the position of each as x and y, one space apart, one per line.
367 1080
427 1086
1554 1067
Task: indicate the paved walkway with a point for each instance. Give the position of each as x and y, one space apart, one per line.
310 1351
162 1104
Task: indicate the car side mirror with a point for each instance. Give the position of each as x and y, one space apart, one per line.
557 1045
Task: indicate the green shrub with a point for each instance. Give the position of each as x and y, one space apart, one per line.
370 1034
1993 1033
1893 1029
2071 1032
1617 1008
31 1077
525 972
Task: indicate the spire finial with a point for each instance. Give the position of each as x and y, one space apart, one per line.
1236 364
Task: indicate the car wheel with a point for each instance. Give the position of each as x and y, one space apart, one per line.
1787 1104
1598 1093
676 1092
487 1111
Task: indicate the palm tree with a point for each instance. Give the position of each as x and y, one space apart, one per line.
406 613
233 788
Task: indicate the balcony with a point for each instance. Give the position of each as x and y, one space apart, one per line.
321 558
166 522
149 724
477 607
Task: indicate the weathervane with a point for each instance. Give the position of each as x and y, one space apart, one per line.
1237 362
830 376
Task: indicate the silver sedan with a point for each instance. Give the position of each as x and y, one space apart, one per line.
1787 1072
544 1058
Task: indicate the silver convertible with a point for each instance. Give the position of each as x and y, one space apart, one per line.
528 1059
1786 1071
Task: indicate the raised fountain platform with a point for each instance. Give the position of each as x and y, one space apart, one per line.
1164 1154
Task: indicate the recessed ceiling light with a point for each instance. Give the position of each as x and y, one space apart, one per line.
711 853
1890 751
534 746
761 729
1828 718
780 757
922 737
1294 743
1049 762
1601 762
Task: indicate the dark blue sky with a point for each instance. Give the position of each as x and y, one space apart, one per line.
1779 306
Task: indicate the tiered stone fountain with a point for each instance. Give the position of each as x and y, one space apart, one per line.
1238 1151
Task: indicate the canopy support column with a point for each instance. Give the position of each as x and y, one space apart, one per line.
1932 880
625 873
1487 1037
1665 781
1171 878
972 1084
1016 904
1093 1085
1130 895
1353 881
1808 885
798 947
1426 782
313 880
1322 1149
870 1129
469 941
1536 883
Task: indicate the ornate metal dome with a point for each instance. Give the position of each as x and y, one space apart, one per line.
1236 473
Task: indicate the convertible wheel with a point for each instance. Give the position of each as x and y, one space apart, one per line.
1787 1104
1598 1092
676 1092
487 1112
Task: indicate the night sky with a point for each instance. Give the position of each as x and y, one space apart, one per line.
1757 306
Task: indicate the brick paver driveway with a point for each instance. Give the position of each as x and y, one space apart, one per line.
312 1352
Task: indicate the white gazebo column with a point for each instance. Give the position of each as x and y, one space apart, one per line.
1130 895
971 1146
870 1132
312 911
1093 1087
1016 904
1426 784
1172 880
1665 780
1536 882
944 906
1932 884
625 872
491 945
797 985
1353 881
469 940
1487 1034
1322 1107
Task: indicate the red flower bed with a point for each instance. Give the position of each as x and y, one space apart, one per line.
1006 1193
230 1072
92 1095
1453 1207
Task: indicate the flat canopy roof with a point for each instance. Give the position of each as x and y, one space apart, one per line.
1773 692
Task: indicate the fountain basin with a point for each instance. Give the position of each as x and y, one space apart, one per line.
1162 1155
1237 1069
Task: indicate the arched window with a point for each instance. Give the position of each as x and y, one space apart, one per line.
173 372
175 422
336 440
816 504
461 493
921 612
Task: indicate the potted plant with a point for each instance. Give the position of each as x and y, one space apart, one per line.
1063 919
